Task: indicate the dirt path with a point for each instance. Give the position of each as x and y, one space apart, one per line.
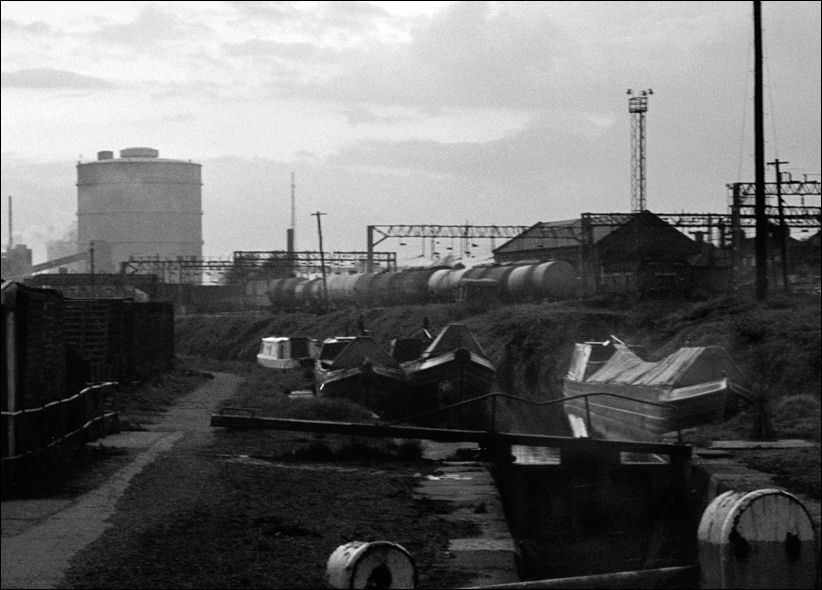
40 536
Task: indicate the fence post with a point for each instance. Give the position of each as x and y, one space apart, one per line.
587 414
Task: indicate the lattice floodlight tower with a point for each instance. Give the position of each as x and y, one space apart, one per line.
637 107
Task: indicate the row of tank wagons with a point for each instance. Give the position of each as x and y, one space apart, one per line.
555 279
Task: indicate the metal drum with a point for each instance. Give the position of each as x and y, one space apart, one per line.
380 564
760 539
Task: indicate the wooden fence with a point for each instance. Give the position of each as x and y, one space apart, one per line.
79 418
63 359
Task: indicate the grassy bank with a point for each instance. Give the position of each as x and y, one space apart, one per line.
776 344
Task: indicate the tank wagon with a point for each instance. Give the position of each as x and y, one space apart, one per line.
555 279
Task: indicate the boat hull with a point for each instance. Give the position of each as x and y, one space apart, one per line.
639 414
277 363
448 379
377 388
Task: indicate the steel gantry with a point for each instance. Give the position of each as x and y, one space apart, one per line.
741 197
310 261
465 232
247 265
180 270
773 209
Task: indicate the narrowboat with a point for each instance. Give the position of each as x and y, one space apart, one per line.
611 392
286 352
359 369
453 368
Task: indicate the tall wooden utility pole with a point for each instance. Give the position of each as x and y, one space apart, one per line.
293 215
783 228
322 255
11 235
91 267
761 240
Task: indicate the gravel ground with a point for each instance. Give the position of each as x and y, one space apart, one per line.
234 509
240 513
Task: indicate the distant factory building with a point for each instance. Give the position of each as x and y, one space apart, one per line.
138 205
15 261
632 252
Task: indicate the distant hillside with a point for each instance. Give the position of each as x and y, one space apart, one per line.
776 344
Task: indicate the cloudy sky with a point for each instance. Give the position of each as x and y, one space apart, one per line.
504 113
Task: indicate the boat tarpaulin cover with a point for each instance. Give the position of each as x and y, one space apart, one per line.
454 336
687 366
359 349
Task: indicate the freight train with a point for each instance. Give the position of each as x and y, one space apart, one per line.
555 279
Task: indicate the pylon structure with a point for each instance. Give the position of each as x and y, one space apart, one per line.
637 107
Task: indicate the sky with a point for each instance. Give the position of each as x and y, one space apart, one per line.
487 113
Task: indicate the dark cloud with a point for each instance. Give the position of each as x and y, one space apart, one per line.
469 56
359 115
349 17
535 150
296 51
10 27
179 118
191 90
265 9
353 14
151 28
51 78
475 45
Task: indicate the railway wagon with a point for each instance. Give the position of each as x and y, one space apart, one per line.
554 279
